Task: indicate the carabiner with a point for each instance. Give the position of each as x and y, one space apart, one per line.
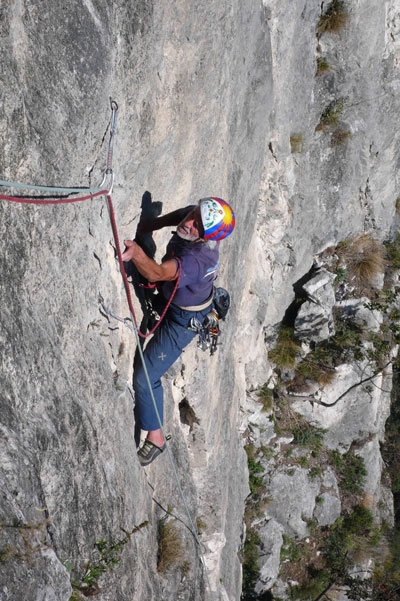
114 108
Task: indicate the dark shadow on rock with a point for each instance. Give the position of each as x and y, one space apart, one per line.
187 414
150 210
300 297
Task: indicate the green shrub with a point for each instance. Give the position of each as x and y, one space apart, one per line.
335 550
307 435
315 472
266 397
319 365
341 275
255 468
255 482
109 555
331 115
350 469
322 65
286 350
290 550
312 588
251 571
391 446
359 521
392 248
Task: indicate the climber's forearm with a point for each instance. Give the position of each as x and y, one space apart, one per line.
148 268
169 220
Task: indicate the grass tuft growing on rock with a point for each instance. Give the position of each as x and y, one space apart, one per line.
251 570
286 350
331 115
334 18
322 66
351 471
171 551
255 468
317 366
266 397
392 248
364 257
307 435
296 143
339 137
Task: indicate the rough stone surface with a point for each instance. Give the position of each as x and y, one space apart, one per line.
327 510
314 320
357 310
293 499
356 405
269 557
211 97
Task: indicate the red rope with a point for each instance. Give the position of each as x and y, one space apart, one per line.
51 201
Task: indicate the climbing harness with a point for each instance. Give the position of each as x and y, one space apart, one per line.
156 316
208 330
88 194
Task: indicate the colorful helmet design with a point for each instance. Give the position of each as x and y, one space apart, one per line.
218 218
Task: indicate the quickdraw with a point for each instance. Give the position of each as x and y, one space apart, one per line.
113 127
208 330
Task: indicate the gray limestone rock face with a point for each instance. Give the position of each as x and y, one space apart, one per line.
327 510
314 320
292 502
214 97
271 543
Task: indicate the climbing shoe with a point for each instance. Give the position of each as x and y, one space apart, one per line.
148 452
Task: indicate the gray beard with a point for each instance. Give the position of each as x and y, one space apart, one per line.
188 237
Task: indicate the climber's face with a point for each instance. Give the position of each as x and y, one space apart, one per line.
191 227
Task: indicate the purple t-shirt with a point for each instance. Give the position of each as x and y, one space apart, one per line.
199 264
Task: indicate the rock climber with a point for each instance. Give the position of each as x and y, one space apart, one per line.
192 257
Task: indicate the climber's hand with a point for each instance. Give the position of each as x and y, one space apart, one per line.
131 250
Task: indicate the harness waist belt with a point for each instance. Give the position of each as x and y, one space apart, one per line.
206 304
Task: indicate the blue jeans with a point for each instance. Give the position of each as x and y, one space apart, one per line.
161 352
